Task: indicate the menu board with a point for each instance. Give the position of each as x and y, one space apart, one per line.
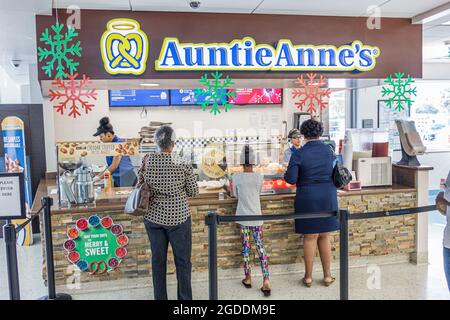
71 150
257 96
180 97
138 98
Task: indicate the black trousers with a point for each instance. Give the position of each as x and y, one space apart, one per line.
180 239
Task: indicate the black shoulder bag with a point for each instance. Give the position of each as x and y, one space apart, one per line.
341 175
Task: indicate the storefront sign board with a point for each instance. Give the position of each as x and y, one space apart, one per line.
175 45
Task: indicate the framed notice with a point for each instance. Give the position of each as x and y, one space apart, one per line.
386 120
12 198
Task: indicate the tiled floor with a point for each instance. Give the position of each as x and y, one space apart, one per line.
396 281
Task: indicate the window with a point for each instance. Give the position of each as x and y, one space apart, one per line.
431 113
336 120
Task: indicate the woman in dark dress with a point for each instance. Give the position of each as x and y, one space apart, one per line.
310 168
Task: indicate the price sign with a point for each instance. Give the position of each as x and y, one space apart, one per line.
12 198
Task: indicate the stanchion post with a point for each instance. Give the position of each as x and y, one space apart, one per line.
47 202
211 221
343 254
9 234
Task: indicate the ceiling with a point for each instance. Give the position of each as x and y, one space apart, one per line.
389 8
17 28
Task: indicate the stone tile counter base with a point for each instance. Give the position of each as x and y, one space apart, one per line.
391 237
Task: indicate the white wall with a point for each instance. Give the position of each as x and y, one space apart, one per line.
436 71
10 90
188 121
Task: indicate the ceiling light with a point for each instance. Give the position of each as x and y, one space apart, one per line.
150 84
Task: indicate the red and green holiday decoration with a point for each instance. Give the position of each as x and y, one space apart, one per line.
59 51
72 96
398 91
96 245
215 93
311 93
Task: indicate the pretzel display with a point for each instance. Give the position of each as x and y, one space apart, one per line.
211 159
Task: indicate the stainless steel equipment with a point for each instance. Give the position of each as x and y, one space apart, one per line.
76 183
84 185
65 181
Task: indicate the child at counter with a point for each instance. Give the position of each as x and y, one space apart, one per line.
247 187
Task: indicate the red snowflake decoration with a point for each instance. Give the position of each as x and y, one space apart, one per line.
73 94
311 93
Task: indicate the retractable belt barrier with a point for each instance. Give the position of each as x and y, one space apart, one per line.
10 236
212 220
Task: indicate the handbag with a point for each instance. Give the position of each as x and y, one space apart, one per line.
441 203
341 175
139 200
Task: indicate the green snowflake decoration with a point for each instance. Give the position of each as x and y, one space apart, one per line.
215 93
399 91
59 51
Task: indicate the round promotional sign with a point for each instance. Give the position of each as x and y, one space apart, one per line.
96 245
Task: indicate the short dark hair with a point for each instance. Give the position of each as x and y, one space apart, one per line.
311 129
247 156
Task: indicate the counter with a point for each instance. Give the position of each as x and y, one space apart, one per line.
392 237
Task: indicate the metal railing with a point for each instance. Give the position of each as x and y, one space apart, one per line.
212 220
10 236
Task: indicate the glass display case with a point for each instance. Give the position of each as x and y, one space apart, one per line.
268 158
208 161
215 163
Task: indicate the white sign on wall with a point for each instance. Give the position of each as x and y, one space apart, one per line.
12 204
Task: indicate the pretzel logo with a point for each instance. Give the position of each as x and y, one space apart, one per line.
95 268
124 47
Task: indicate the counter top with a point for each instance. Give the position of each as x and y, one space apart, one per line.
115 200
414 168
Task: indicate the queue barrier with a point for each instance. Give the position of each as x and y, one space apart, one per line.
212 220
10 236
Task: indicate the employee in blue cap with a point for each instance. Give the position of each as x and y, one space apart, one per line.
121 168
295 139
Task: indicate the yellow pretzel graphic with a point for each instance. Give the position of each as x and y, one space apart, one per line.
125 58
132 47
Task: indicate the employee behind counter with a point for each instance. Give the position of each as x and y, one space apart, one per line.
295 139
120 167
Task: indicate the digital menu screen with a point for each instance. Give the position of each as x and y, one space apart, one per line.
180 97
257 96
138 98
